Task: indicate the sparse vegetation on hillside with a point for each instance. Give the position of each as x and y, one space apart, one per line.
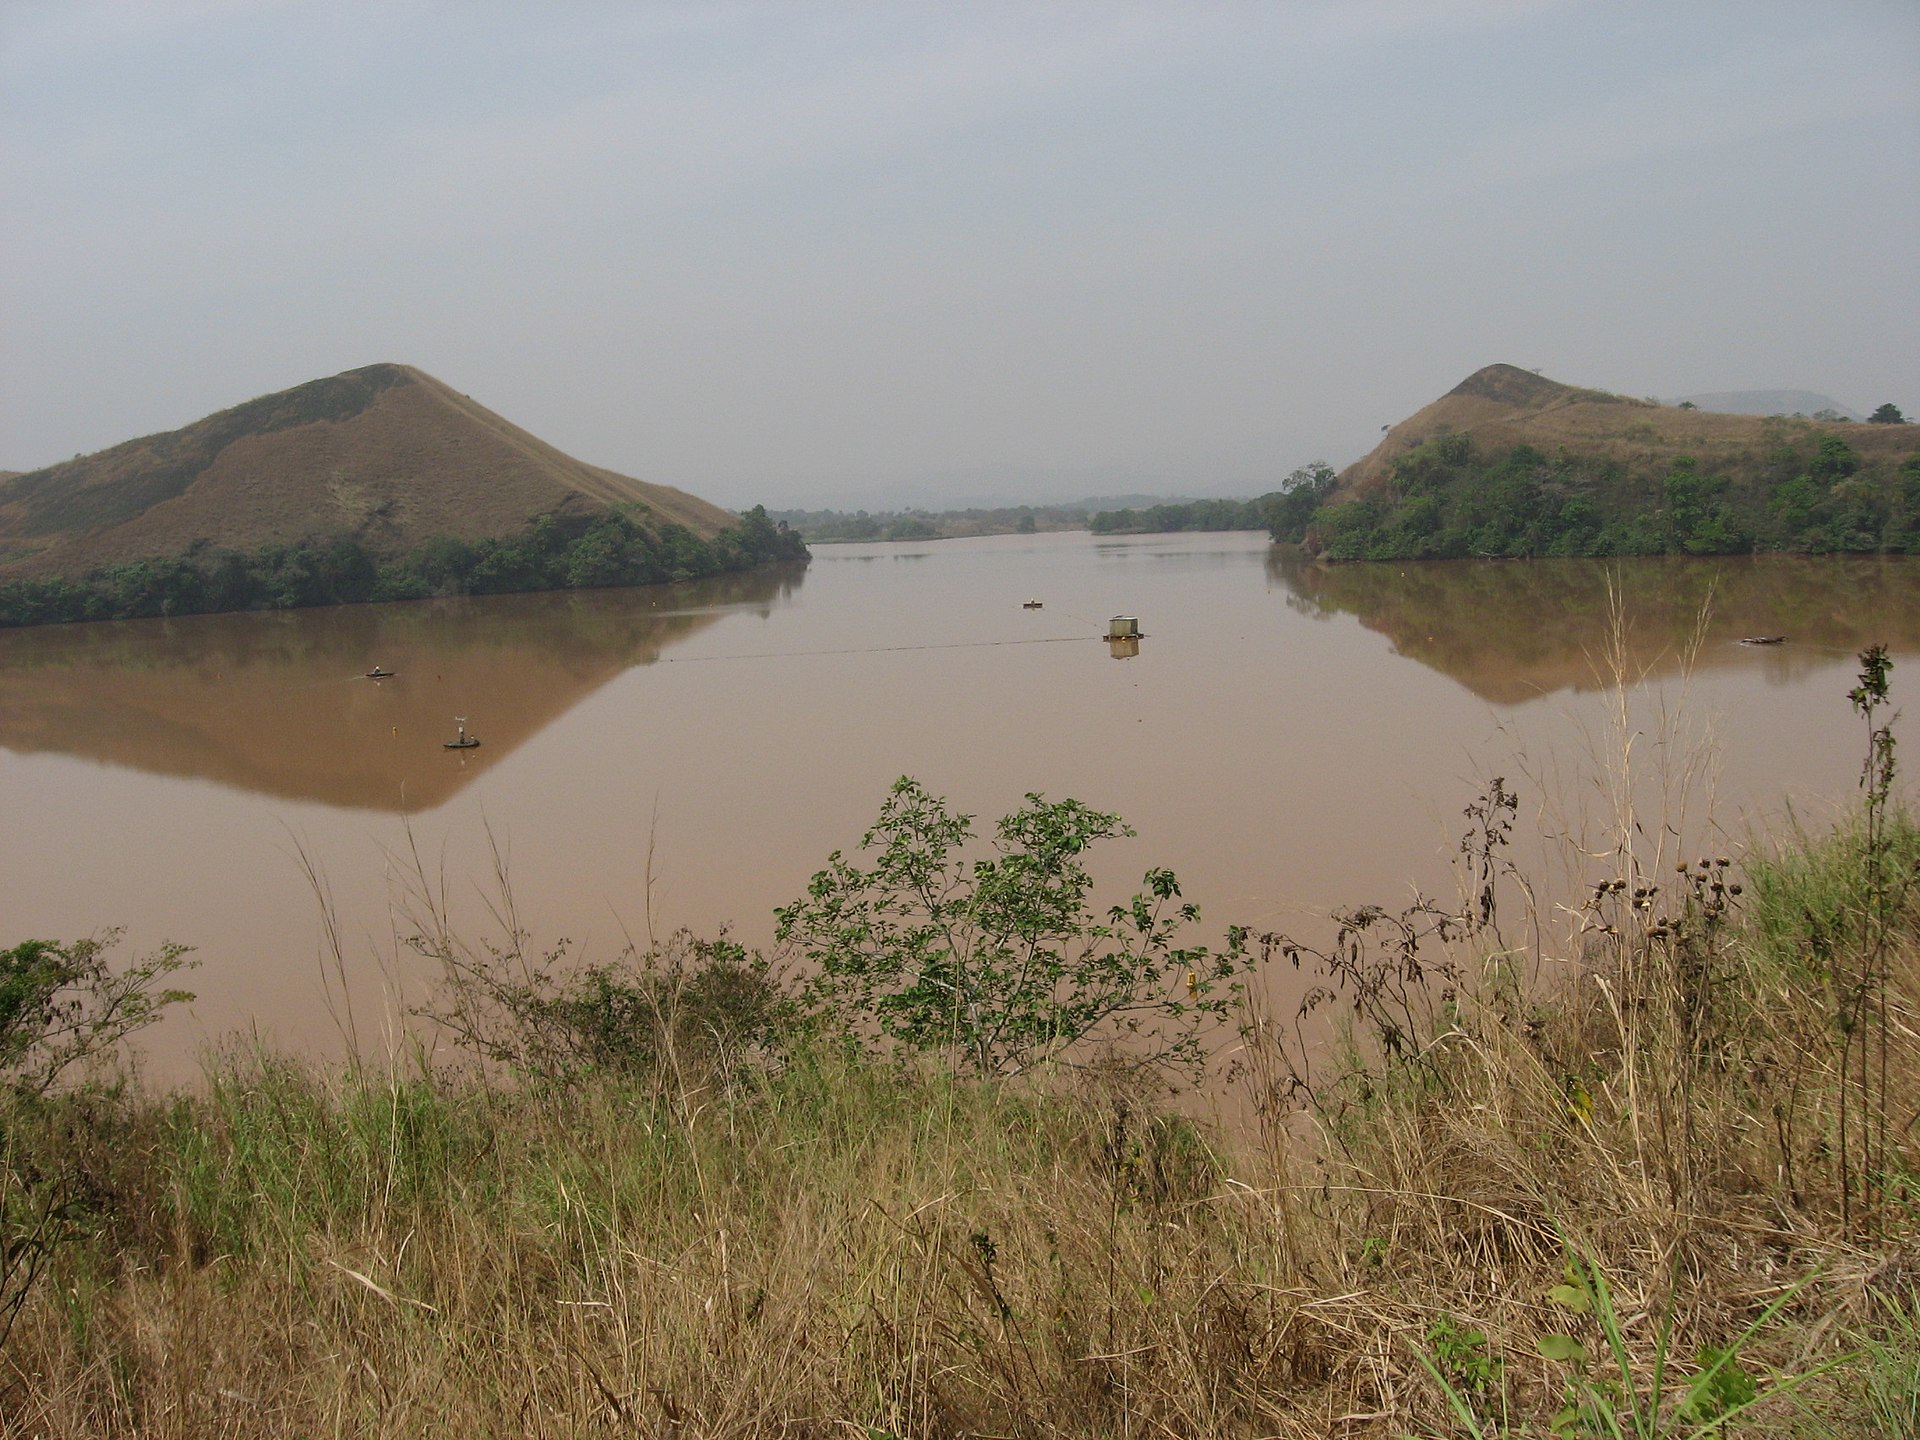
50 502
617 547
384 458
1449 497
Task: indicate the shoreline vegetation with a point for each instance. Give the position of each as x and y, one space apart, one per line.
1650 1173
622 546
1444 498
1448 498
1136 515
1451 498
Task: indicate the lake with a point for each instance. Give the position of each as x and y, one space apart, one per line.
1288 738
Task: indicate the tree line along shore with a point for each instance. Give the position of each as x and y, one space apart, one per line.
1452 497
1449 496
619 547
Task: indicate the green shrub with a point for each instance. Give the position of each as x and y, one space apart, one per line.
1000 960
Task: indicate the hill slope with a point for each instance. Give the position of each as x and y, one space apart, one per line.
1509 463
1503 406
385 455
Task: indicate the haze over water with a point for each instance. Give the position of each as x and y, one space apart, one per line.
1289 738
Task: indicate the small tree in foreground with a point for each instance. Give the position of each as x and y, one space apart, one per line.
1001 960
64 1011
63 1007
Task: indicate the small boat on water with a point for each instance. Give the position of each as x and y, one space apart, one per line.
379 672
1764 640
1030 605
462 740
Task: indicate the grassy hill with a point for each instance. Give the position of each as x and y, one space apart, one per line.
385 454
378 483
1511 463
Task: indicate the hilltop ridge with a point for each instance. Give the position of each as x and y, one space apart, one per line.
1490 402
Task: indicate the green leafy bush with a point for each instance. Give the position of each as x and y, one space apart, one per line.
1001 961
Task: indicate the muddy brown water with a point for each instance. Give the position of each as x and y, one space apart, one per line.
1287 737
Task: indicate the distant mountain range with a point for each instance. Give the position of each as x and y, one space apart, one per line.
385 456
1770 402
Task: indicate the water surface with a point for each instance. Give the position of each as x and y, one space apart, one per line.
1288 737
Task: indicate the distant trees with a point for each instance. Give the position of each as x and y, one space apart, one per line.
1180 515
1888 414
1169 515
618 547
836 525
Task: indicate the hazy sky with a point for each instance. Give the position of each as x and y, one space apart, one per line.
817 253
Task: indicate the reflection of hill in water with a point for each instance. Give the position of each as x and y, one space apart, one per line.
1511 630
278 702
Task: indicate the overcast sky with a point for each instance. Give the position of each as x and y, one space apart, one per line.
822 253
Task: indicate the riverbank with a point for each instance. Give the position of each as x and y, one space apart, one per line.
1509 1191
